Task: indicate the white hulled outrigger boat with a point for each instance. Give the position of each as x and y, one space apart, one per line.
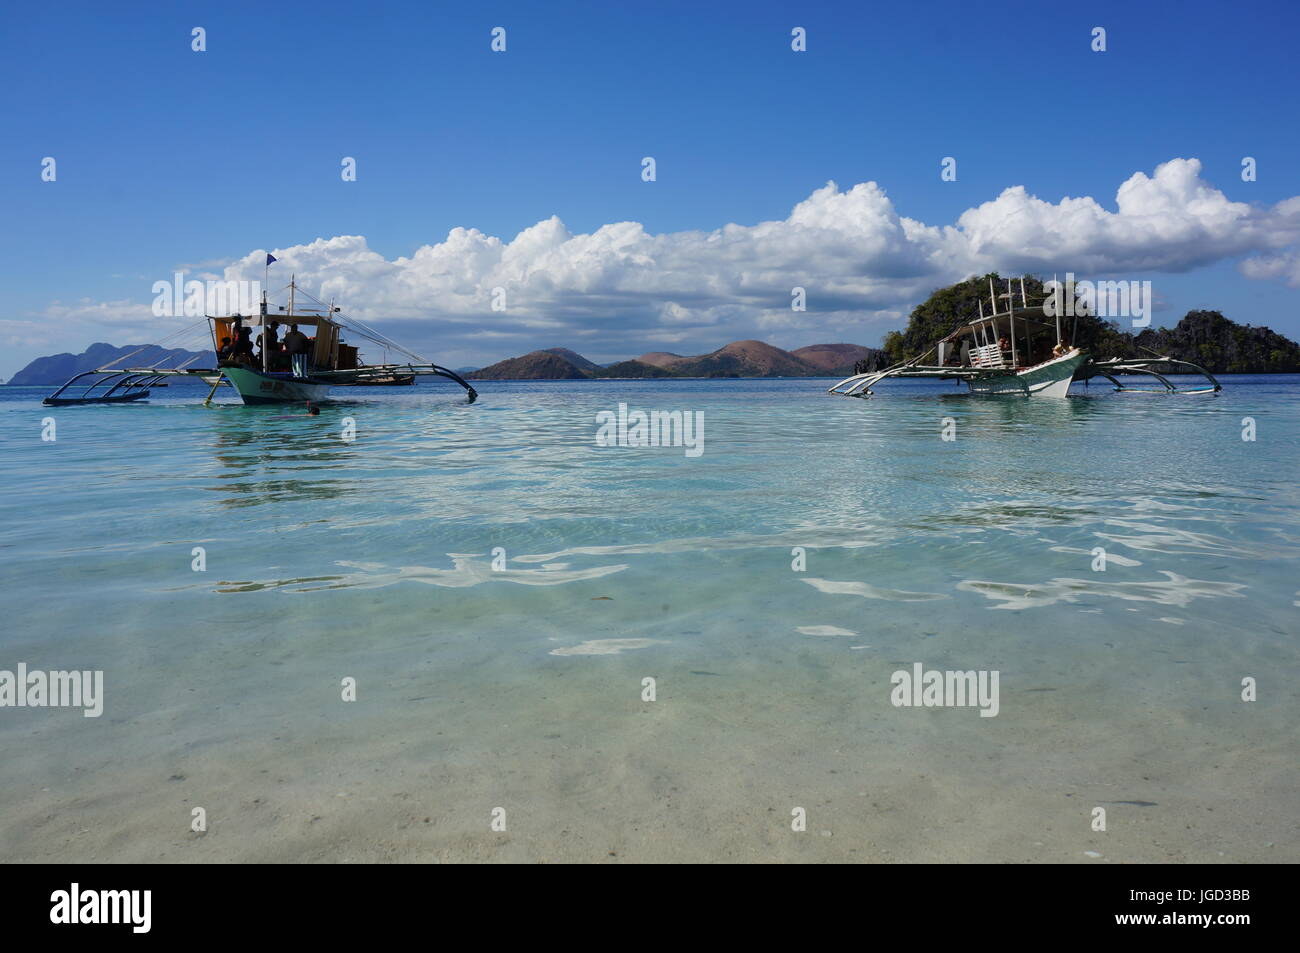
1016 351
270 377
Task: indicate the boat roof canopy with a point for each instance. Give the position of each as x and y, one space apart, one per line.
1029 316
273 317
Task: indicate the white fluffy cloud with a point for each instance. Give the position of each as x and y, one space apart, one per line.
621 290
1172 221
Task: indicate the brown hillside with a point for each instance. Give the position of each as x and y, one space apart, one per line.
833 358
537 366
661 358
744 359
573 357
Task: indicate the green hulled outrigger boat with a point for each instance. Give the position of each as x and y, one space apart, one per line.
330 358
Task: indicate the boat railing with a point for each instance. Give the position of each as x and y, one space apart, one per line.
988 355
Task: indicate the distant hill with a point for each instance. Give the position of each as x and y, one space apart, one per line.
574 358
634 369
59 368
536 366
737 359
836 359
560 363
743 359
660 358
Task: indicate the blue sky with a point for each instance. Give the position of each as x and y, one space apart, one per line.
169 158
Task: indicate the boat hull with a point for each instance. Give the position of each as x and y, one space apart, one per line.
254 387
1045 380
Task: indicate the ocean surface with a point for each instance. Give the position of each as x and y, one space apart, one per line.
500 588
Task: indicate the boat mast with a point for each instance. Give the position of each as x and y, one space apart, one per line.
265 360
1056 293
1029 329
993 315
1011 318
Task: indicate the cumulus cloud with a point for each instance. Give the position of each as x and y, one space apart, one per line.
621 289
1285 264
1285 267
1172 221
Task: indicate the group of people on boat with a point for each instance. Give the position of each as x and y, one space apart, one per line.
289 354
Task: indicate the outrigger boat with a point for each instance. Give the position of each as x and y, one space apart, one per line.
1010 352
330 362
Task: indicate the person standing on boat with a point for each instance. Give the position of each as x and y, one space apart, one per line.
295 343
241 352
269 342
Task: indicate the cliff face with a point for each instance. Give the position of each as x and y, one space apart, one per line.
1224 346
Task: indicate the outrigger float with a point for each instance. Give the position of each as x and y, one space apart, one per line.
330 362
1010 352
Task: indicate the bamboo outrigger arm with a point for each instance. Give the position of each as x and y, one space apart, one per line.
382 371
1151 367
119 385
859 385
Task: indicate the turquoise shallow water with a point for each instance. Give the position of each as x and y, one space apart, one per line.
477 688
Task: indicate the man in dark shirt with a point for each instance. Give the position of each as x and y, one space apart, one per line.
241 351
295 344
269 342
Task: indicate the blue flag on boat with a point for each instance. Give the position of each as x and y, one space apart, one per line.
270 258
